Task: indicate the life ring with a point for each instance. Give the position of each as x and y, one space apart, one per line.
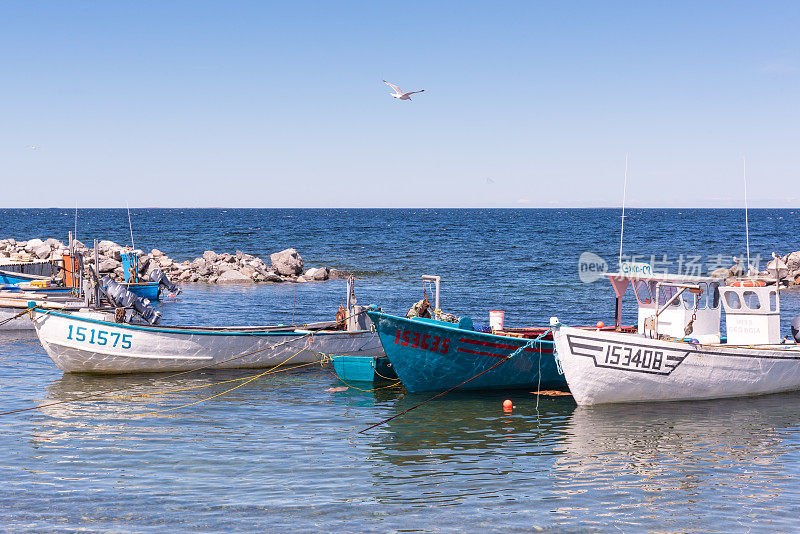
748 283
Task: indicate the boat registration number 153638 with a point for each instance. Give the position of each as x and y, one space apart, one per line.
415 340
95 336
636 357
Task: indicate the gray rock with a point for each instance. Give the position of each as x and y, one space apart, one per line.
105 246
317 274
156 253
224 267
42 251
722 272
336 274
32 244
272 277
301 279
287 262
107 266
53 243
212 279
210 256
247 271
792 262
233 277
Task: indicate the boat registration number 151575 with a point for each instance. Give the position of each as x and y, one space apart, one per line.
95 336
415 340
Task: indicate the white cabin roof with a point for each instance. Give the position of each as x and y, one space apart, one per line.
664 277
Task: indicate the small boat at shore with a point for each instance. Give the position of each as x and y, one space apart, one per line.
12 309
94 342
677 352
24 272
429 354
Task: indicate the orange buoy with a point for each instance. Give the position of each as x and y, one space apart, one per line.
507 405
600 324
748 283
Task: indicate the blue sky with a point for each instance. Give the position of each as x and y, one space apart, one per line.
281 104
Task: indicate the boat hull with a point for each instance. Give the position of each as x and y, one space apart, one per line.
145 290
461 355
9 277
85 345
611 367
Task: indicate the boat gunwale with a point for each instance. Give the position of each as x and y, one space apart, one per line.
198 330
455 328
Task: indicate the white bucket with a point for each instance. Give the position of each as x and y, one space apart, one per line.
496 319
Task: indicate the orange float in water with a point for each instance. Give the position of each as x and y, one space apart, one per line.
507 405
600 324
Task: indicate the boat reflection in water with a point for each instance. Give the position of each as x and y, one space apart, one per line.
110 407
668 458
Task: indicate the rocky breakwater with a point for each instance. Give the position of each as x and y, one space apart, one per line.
788 270
213 268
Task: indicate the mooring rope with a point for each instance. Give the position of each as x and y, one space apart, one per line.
17 316
443 393
251 379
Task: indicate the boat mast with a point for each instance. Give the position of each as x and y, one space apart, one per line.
130 226
618 306
746 222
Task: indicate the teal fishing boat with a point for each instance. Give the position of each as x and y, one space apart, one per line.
434 355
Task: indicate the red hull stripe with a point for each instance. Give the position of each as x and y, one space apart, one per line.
501 346
487 344
470 351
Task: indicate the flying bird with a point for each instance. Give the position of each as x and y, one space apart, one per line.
399 94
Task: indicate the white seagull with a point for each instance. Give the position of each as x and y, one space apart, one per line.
399 94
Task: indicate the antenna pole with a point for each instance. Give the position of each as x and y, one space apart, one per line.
130 226
622 225
746 221
75 234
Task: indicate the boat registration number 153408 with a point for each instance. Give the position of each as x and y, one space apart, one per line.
95 336
415 340
636 357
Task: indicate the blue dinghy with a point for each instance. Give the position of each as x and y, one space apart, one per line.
150 290
431 355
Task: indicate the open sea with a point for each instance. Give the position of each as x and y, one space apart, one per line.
284 454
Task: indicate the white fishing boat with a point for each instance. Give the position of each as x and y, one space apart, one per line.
93 342
676 351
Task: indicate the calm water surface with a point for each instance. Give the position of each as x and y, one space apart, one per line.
282 453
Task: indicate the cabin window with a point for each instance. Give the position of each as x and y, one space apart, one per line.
773 301
665 294
751 300
713 289
732 300
702 298
642 290
689 299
